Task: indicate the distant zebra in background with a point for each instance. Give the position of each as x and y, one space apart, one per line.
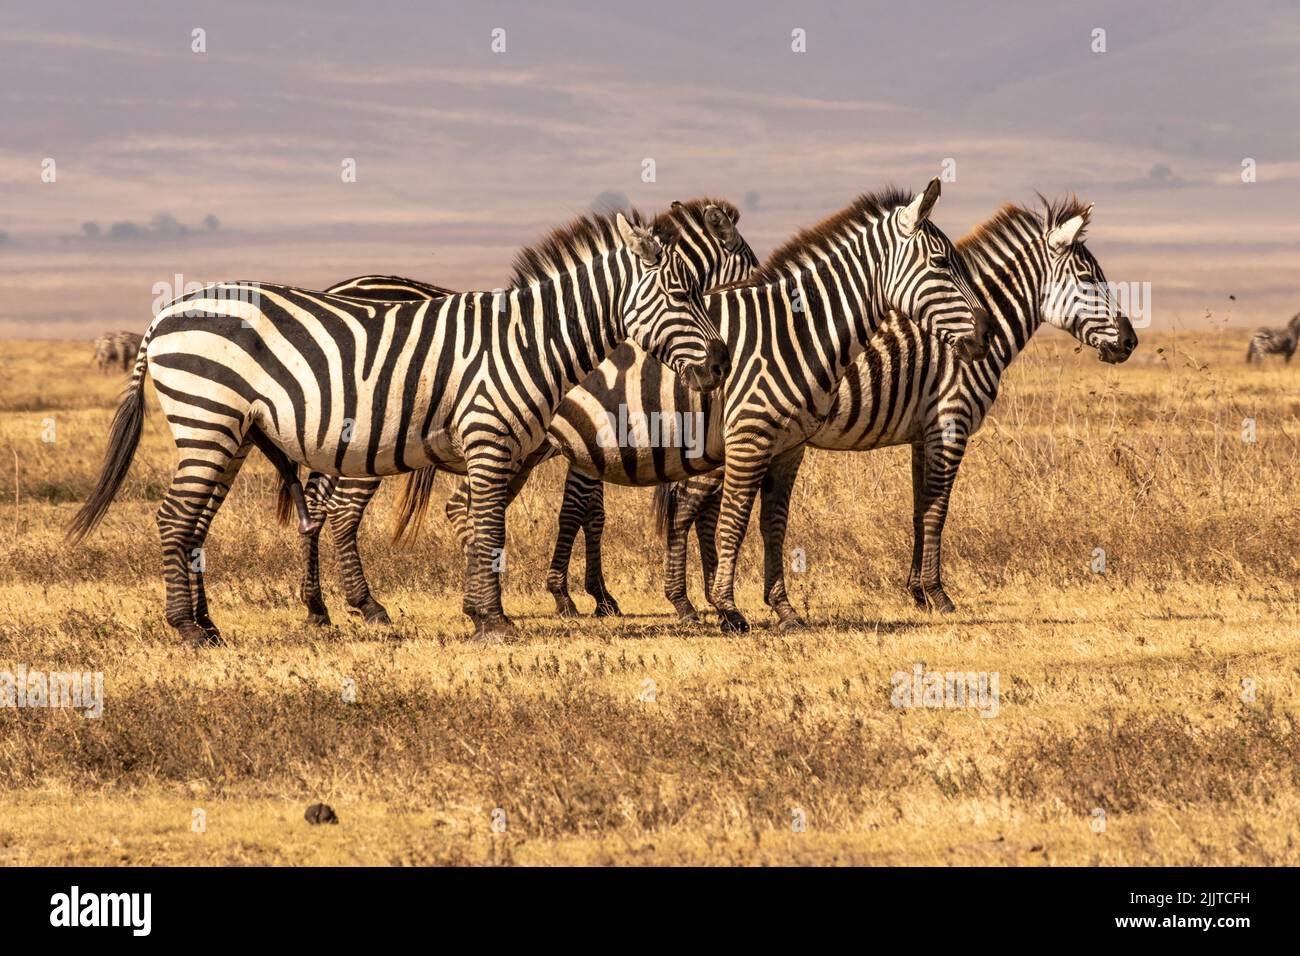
116 349
1274 342
1032 268
358 388
714 252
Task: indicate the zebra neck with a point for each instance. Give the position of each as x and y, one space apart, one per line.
572 322
1013 292
840 307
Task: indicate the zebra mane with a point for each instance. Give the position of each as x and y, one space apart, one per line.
579 241
831 229
1011 223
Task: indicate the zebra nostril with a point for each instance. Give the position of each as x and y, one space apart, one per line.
719 358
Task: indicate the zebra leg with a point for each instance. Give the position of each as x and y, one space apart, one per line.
189 505
689 500
593 529
457 511
319 489
706 538
943 458
347 506
198 562
578 490
774 515
513 487
918 524
490 474
743 476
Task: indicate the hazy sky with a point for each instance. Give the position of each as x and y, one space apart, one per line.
463 154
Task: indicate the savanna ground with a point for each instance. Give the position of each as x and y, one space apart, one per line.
1163 693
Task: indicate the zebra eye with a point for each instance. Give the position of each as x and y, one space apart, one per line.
939 262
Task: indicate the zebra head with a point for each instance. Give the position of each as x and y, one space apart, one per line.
663 310
1076 296
709 242
928 282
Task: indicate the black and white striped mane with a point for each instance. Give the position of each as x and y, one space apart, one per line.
1011 223
581 240
830 231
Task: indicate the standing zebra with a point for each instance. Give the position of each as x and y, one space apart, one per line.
714 252
356 388
1274 342
116 348
793 330
905 389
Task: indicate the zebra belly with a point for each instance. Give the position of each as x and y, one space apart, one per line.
632 422
891 392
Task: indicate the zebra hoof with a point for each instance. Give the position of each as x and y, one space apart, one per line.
319 618
792 622
564 607
938 600
495 630
374 613
196 636
608 607
733 622
686 613
310 525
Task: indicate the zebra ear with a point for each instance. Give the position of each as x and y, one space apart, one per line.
639 240
720 226
918 210
1066 234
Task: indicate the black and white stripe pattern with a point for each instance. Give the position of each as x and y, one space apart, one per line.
712 250
352 387
793 331
906 389
1274 342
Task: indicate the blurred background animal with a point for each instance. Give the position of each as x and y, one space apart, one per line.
1274 341
116 350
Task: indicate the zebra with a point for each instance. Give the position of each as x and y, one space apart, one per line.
1031 267
715 252
1274 342
793 330
363 388
116 348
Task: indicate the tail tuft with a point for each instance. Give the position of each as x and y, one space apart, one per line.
665 503
123 437
283 504
413 503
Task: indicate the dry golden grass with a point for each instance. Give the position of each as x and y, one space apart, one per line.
1120 692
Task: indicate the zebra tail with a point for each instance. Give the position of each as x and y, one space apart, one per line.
665 503
123 437
284 510
413 503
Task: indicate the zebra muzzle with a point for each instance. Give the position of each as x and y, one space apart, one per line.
975 346
709 374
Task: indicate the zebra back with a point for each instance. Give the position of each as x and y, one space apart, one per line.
388 289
